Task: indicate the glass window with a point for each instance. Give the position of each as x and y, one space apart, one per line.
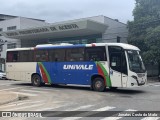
115 49
75 54
95 54
135 61
57 55
26 56
12 56
117 59
41 55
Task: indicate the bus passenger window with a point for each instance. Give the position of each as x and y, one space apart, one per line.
41 55
15 57
75 54
57 55
12 56
95 54
9 56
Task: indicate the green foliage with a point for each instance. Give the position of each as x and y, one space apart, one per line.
144 31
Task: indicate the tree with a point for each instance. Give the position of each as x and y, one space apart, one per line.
144 30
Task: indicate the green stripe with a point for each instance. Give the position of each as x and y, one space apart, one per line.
48 77
106 75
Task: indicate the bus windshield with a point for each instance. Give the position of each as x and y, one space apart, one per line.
135 61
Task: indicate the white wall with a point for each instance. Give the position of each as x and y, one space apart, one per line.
115 29
11 22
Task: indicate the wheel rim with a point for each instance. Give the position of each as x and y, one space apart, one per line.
36 80
98 84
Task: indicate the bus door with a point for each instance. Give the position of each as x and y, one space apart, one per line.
118 66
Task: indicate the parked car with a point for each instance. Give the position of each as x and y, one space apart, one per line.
2 75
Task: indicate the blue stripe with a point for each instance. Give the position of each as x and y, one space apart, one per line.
56 47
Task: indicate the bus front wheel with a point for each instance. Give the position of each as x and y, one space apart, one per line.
98 84
36 80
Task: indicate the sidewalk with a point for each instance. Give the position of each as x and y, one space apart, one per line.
7 97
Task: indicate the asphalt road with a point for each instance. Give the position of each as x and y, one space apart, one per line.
81 98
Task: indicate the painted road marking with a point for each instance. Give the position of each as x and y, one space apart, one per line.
27 94
25 107
81 107
49 108
11 88
89 113
21 103
33 91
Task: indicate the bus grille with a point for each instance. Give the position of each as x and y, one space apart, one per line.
140 75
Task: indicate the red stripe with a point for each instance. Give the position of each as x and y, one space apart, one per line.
100 72
44 76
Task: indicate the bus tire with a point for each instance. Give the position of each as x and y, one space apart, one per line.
98 84
36 80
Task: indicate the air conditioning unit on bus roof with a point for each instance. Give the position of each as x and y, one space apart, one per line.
45 45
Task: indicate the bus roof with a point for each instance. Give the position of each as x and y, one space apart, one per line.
50 46
19 49
124 45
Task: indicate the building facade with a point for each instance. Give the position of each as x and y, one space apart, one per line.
12 23
27 32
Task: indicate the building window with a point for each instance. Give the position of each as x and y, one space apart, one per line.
1 29
12 45
11 28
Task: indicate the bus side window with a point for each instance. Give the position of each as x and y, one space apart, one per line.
12 56
9 56
115 62
41 55
26 56
15 57
75 54
56 55
95 54
117 59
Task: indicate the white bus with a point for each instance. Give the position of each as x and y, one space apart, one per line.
99 65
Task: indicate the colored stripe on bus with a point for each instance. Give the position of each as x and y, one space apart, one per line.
102 71
44 73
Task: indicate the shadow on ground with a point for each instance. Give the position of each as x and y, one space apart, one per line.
126 91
